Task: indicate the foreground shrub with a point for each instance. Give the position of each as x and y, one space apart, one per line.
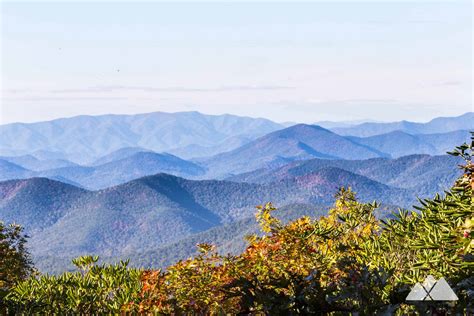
93 289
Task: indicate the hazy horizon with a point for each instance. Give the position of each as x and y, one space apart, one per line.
355 121
304 62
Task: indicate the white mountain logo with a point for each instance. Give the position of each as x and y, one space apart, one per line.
432 290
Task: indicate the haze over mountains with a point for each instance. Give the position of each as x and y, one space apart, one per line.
292 143
128 165
398 143
83 138
274 149
436 125
421 173
117 185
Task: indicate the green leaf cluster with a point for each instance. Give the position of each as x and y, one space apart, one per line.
15 261
94 289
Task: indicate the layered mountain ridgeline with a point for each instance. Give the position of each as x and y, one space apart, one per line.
437 125
143 204
116 168
116 172
145 214
303 142
248 152
399 143
83 139
423 174
293 143
9 170
119 154
299 142
33 163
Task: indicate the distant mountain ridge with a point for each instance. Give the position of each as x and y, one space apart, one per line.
83 139
32 163
421 173
296 142
10 170
116 168
276 149
436 125
398 143
119 154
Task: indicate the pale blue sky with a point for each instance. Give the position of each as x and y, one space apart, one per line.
285 61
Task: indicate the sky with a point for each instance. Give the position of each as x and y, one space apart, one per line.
286 61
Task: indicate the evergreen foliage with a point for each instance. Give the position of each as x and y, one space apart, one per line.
15 260
93 289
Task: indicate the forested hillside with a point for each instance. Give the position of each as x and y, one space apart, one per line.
145 214
423 173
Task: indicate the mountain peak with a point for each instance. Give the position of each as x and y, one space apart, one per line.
301 129
308 126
